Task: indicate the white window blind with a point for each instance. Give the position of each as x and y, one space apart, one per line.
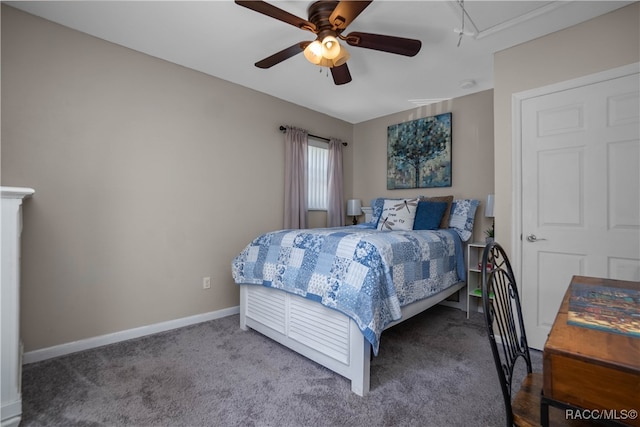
317 158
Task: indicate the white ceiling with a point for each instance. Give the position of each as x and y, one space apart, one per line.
224 40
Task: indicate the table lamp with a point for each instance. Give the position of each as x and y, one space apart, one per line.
354 209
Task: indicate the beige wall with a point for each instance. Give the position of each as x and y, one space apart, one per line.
606 42
137 161
148 177
471 158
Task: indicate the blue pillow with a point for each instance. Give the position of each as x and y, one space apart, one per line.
429 215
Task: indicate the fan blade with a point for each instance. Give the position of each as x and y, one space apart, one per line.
345 12
391 44
341 74
277 13
277 58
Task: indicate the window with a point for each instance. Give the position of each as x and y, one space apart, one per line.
317 159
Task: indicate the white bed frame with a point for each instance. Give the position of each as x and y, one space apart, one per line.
325 336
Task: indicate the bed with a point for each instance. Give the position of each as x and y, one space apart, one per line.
329 293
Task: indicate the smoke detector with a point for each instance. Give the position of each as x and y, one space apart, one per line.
467 84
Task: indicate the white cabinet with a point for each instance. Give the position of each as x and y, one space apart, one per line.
474 275
10 393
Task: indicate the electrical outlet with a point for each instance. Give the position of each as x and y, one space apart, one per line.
206 282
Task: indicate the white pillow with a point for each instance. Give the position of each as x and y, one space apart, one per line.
398 214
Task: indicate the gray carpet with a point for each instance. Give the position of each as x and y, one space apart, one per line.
433 370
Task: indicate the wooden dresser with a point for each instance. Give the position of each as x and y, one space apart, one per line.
594 369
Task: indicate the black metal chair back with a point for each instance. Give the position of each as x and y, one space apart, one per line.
503 318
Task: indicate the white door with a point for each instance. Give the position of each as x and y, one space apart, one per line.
580 193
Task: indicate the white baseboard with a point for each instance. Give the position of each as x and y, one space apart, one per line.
99 341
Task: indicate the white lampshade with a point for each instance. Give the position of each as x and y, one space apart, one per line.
313 52
488 209
324 62
341 58
330 47
354 207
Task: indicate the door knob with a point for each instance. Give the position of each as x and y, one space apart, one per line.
533 238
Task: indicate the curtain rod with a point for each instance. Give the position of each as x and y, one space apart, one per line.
284 129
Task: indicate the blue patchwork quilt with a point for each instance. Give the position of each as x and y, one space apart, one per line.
365 274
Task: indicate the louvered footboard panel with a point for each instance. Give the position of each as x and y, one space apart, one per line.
300 320
268 308
320 328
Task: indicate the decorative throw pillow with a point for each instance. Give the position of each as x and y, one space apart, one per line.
444 223
398 214
463 214
429 215
376 211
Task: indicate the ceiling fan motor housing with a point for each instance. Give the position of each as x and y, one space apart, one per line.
319 13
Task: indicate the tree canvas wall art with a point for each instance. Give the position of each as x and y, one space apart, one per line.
419 153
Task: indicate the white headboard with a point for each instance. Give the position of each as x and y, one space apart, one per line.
368 212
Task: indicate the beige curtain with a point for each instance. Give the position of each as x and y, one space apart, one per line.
295 178
335 202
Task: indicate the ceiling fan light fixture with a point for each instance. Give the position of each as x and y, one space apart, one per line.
328 53
324 62
330 47
342 58
313 52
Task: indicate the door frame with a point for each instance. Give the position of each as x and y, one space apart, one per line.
517 99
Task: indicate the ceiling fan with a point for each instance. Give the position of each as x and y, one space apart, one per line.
327 20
